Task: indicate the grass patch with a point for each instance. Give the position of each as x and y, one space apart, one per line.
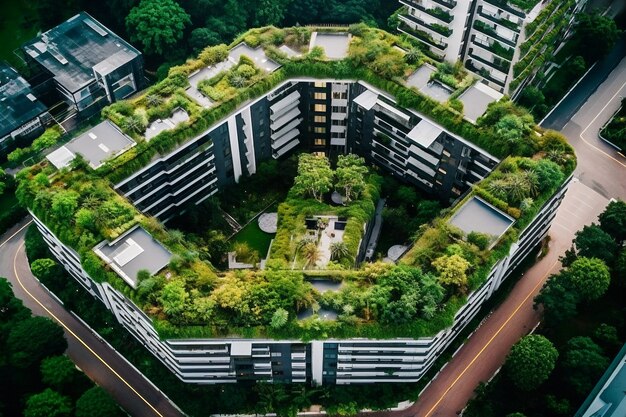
257 239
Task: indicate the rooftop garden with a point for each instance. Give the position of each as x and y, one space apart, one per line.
192 298
615 130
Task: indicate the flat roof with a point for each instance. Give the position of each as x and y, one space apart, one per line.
132 252
367 99
607 399
98 144
476 99
425 133
256 54
476 215
18 105
335 44
71 51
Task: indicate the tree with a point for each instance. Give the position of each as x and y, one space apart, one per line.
48 403
596 35
174 297
3 178
613 220
44 268
59 372
512 128
452 270
311 254
314 176
559 301
350 173
201 38
583 363
64 204
338 250
593 242
589 277
157 24
607 336
96 402
11 309
279 318
531 362
24 350
620 268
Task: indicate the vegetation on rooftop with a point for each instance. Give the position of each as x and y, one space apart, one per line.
190 298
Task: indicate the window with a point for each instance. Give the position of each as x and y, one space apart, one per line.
320 130
443 171
320 119
336 95
319 108
320 96
320 84
340 109
261 121
320 142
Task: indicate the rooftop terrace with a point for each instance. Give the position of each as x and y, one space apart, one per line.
98 144
335 45
476 215
132 252
18 105
71 51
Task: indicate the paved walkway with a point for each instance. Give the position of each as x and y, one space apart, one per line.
486 350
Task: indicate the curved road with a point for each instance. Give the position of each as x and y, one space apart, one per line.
601 175
96 358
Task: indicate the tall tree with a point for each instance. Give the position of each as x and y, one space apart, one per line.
314 176
48 403
350 173
452 270
596 35
559 301
157 24
593 242
613 220
24 350
95 402
589 277
583 363
59 372
531 362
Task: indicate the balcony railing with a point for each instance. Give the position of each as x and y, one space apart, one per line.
440 29
421 35
497 63
500 21
489 31
495 47
483 72
504 5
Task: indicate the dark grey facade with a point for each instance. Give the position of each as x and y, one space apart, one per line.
316 116
86 64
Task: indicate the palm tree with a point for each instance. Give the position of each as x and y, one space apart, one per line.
311 254
153 100
338 250
413 56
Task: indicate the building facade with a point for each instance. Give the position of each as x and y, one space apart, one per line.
85 64
496 39
22 115
321 362
318 116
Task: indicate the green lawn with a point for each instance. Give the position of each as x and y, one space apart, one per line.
18 24
255 238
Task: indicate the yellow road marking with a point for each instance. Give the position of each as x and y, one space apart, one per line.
72 333
490 340
594 119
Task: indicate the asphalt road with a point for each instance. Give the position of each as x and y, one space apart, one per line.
97 359
601 175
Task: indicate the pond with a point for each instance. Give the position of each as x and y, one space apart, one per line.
323 313
255 238
323 285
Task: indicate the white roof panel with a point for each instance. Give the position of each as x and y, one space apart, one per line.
367 99
61 158
424 133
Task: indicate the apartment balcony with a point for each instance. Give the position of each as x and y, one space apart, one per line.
482 70
449 4
482 27
494 47
498 64
438 13
516 27
433 27
423 37
504 5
